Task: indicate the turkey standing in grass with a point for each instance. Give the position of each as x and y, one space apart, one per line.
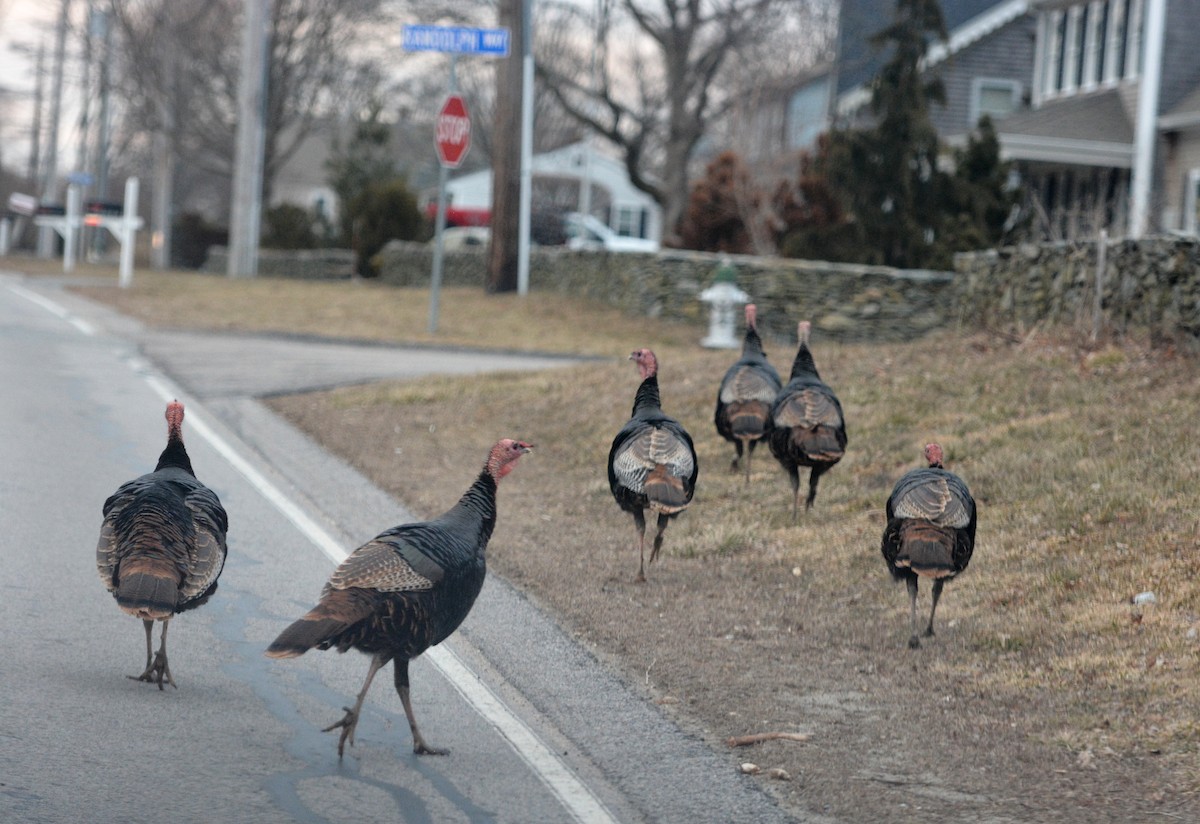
747 392
405 591
162 544
652 464
930 531
807 427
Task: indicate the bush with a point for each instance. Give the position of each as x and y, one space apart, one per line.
288 226
381 212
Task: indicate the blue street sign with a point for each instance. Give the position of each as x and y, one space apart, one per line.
455 39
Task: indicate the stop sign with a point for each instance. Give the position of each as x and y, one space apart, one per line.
453 132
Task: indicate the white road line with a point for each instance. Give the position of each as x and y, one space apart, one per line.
573 794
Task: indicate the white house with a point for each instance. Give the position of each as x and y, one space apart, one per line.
577 178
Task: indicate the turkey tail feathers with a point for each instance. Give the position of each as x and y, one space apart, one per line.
926 549
820 443
148 588
304 634
665 491
748 419
338 611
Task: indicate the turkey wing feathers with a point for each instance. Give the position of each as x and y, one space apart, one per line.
807 408
933 495
379 565
747 382
650 447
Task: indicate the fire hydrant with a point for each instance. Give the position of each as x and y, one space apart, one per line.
724 298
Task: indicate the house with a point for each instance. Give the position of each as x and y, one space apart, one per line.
575 178
1098 109
1111 139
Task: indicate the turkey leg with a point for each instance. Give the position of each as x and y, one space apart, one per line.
156 666
419 745
913 641
639 523
663 519
350 719
937 593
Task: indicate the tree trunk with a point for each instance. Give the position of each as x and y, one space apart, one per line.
506 159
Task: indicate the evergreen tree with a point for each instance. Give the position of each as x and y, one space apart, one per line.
365 159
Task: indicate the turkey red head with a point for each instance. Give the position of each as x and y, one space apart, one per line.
752 316
174 420
504 455
647 364
933 454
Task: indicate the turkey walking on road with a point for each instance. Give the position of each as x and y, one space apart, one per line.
162 544
930 531
747 391
405 591
807 427
652 464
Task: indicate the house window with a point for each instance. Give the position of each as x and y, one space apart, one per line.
1090 43
629 221
994 97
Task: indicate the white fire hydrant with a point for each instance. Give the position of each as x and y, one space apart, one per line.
724 298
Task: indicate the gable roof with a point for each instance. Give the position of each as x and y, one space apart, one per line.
967 22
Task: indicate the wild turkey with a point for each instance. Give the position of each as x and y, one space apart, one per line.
162 544
807 427
930 531
405 591
747 391
652 464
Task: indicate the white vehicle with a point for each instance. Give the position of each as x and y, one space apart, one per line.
587 233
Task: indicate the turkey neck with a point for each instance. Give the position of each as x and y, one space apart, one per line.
752 345
646 399
479 501
175 455
803 364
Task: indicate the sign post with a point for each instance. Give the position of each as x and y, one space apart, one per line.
453 124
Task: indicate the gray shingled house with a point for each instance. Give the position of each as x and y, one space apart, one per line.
1062 81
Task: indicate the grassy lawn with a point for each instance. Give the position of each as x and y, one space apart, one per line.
1084 462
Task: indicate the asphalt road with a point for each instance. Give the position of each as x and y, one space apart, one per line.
538 730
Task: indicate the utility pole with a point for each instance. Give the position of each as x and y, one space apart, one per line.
246 206
49 181
35 148
1145 141
503 252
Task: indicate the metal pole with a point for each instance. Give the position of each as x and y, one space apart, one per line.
246 208
1101 264
71 226
435 278
526 146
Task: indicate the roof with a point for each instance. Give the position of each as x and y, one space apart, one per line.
967 22
1092 129
1185 115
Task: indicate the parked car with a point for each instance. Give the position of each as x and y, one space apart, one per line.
586 232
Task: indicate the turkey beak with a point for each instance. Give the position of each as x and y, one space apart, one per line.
526 448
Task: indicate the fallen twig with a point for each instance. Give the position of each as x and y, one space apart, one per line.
759 737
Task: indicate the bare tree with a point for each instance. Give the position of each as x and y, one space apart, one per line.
181 65
653 89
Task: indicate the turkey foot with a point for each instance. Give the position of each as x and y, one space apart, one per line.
348 723
156 671
421 748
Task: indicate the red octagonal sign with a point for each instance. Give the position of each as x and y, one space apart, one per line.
453 132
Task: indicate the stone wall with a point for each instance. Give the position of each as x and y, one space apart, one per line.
843 301
304 264
1149 286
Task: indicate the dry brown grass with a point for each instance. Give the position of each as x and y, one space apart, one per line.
1046 695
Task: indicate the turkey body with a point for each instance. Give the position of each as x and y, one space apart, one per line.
162 544
807 427
749 388
930 531
652 464
405 590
